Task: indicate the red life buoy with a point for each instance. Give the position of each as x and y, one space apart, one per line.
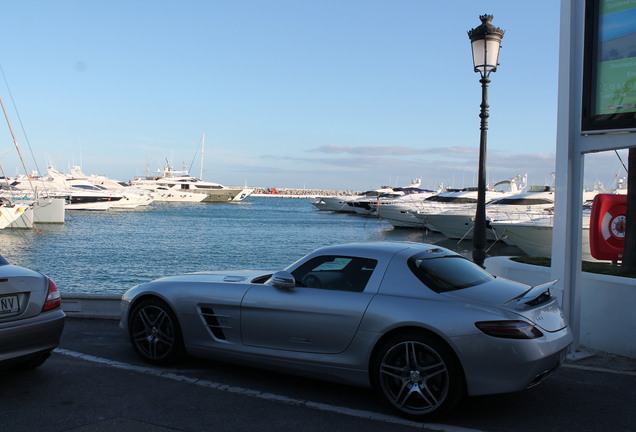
607 226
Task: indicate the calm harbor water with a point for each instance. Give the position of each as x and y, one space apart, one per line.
110 252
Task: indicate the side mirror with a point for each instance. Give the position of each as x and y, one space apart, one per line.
282 279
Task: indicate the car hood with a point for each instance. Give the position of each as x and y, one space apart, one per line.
238 276
534 303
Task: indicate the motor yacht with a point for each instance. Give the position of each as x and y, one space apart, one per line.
79 195
176 182
399 212
433 209
457 223
360 202
532 233
132 197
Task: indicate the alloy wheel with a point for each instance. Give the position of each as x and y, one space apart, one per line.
155 333
414 377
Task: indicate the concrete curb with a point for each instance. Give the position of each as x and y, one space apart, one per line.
85 305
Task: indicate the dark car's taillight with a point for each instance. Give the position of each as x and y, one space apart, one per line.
53 299
509 329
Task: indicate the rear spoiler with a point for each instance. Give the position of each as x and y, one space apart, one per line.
534 293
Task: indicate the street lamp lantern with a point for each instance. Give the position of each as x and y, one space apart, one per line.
486 42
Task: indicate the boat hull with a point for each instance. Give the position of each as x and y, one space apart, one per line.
400 216
224 195
536 239
8 215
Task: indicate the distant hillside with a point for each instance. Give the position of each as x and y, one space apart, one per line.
619 48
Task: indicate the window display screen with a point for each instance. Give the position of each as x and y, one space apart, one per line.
609 75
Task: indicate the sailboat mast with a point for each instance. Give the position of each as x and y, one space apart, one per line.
202 153
17 147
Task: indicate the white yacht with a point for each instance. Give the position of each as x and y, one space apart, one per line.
399 212
89 197
458 223
453 199
166 194
368 205
78 195
359 202
533 234
340 203
464 200
170 182
131 197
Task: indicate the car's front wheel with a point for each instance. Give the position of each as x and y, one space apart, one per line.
418 375
155 332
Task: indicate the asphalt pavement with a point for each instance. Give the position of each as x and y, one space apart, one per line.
95 383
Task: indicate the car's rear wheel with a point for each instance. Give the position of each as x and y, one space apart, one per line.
419 375
155 332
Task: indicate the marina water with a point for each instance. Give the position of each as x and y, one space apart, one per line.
111 251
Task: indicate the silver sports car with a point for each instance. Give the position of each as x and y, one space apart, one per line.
420 323
31 317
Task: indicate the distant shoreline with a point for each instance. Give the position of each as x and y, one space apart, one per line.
280 195
297 193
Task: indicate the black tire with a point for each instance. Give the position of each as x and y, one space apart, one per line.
155 332
418 375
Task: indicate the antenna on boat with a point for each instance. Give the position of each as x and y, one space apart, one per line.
202 152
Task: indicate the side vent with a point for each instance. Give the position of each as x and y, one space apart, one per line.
213 322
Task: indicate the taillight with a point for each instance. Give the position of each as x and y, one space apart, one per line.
509 329
53 299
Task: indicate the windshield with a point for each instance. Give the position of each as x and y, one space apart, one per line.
523 201
447 273
452 199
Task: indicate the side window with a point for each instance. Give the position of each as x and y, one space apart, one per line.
335 273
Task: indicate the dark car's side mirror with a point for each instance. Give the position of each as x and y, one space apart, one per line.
282 279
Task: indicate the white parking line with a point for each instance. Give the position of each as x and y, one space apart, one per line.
368 415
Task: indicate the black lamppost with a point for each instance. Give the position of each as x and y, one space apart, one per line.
485 41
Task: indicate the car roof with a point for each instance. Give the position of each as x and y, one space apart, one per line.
383 248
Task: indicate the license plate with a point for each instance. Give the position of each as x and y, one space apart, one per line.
9 304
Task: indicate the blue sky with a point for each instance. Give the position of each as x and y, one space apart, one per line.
348 94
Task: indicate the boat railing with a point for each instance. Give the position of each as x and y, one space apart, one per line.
521 216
